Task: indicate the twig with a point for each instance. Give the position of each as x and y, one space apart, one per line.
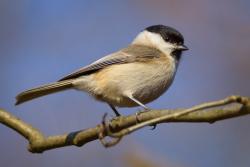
103 133
116 128
228 100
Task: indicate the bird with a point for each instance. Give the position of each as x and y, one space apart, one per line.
132 76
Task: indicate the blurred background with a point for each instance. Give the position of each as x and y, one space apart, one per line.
41 41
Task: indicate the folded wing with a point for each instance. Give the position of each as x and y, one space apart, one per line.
130 54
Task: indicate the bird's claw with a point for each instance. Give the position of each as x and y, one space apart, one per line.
137 114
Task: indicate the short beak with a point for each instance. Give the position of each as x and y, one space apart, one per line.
182 47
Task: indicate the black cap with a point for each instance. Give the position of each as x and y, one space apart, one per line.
169 34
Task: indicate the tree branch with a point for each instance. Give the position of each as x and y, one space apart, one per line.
230 107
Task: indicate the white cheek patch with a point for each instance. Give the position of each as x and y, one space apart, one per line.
168 46
160 43
155 40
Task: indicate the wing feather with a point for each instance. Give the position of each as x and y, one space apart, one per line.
130 54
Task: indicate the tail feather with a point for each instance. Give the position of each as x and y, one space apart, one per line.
43 90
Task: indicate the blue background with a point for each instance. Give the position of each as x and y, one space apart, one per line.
41 41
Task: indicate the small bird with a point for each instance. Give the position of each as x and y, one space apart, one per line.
132 76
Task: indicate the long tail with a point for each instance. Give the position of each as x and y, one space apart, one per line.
43 90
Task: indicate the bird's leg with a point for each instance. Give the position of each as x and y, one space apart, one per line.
139 103
114 109
138 113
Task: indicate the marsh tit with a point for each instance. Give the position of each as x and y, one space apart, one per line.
133 76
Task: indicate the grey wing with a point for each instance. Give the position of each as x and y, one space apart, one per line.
115 58
127 55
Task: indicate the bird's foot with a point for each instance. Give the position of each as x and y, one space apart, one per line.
139 113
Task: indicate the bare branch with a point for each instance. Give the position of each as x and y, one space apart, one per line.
124 125
228 100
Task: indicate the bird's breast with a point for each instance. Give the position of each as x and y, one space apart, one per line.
154 81
146 81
